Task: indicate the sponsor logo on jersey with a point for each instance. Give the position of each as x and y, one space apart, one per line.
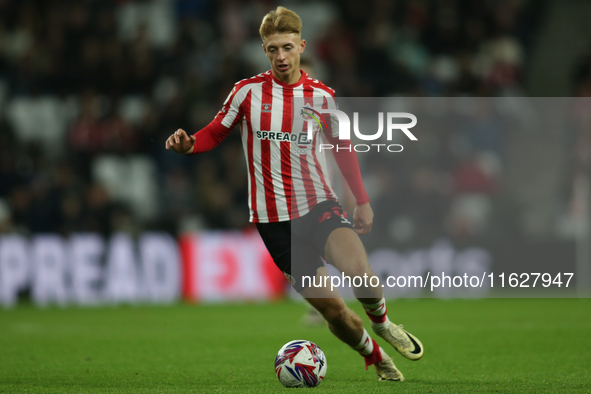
296 138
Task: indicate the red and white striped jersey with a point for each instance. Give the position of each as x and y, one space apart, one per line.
287 174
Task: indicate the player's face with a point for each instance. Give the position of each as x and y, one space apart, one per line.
283 51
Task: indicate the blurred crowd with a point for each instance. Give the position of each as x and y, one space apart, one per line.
582 138
90 90
577 211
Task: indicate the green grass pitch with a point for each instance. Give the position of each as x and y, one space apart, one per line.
471 346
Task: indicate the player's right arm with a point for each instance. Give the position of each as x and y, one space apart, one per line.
216 131
180 142
202 141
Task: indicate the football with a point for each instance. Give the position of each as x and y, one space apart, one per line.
300 363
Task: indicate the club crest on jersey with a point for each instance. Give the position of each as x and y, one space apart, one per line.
289 278
308 114
266 107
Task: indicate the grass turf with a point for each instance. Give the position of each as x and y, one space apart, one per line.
484 346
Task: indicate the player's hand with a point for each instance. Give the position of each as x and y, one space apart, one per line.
180 142
362 218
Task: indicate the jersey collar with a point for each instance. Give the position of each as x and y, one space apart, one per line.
286 85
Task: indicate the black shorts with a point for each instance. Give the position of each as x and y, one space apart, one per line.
297 246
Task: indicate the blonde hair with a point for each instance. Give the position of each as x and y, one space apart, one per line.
280 20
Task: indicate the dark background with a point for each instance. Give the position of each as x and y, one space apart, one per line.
90 90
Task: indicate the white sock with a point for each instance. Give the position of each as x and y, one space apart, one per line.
365 346
381 326
377 314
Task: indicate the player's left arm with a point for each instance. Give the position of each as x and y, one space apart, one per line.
346 160
362 218
349 166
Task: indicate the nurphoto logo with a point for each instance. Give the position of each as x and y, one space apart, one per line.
312 116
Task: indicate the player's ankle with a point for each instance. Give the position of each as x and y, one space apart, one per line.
382 325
